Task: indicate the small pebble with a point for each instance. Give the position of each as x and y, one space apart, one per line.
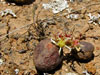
70 73
85 72
22 51
16 71
1 61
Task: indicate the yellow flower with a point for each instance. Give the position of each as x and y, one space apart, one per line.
61 43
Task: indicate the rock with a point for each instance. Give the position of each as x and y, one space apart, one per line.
20 1
86 51
46 56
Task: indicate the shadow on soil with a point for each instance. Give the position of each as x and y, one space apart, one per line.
68 57
50 72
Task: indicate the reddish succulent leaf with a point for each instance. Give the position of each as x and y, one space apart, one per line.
60 35
66 35
76 42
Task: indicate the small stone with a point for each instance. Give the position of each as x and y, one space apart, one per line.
85 72
16 71
70 73
22 51
86 52
1 61
20 1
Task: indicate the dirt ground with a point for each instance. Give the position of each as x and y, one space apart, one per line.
19 36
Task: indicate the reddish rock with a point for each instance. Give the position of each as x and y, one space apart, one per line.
46 56
86 51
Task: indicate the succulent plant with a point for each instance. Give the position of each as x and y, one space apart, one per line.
62 41
46 56
86 51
